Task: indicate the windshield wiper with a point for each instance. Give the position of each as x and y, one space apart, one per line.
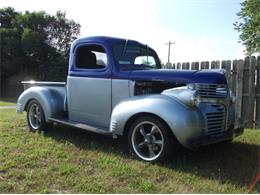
124 50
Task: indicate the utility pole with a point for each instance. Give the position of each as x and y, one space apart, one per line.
169 50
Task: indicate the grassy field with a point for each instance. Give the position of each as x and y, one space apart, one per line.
8 101
68 160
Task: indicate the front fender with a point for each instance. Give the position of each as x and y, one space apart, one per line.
50 100
186 123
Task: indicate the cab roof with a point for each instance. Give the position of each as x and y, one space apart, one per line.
106 40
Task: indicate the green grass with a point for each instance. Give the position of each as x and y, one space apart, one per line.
8 101
68 160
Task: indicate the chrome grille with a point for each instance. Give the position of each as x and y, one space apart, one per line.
212 91
215 120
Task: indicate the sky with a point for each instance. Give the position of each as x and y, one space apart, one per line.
202 30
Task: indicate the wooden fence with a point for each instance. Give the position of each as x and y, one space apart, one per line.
244 79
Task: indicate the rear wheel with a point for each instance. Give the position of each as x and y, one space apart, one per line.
35 117
149 139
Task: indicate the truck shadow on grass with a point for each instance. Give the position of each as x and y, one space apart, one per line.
236 162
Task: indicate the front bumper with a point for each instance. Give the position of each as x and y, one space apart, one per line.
210 139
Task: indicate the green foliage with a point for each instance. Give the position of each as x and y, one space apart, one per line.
61 32
7 17
249 25
35 43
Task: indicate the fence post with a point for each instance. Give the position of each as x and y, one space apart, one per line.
234 76
202 65
185 65
239 91
257 94
245 95
213 64
251 98
195 66
228 71
178 65
188 66
206 65
218 64
224 64
192 66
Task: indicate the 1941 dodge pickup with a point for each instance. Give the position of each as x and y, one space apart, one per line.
117 86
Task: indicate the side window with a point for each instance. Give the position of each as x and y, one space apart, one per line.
91 57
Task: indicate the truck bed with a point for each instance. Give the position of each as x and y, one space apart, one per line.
57 89
28 84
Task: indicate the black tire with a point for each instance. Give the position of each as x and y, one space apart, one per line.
150 139
36 118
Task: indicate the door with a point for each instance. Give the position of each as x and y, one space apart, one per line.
89 86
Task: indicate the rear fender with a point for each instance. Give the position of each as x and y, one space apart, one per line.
51 100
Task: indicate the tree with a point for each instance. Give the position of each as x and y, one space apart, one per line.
10 47
61 32
35 43
249 25
7 17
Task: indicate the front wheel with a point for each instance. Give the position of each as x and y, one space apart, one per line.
35 117
149 139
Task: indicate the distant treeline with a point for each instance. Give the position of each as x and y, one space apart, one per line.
35 44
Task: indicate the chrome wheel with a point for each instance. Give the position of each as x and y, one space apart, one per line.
35 116
147 141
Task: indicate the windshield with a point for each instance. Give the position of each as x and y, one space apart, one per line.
135 56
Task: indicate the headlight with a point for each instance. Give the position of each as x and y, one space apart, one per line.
193 100
184 94
191 86
188 97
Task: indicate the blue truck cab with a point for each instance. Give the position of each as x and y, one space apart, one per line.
118 87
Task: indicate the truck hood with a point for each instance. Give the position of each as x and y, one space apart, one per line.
180 76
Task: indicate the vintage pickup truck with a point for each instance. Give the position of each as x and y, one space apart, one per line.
118 87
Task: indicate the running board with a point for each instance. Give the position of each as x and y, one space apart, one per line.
83 126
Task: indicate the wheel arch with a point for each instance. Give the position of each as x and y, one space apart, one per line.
27 104
51 101
130 121
184 122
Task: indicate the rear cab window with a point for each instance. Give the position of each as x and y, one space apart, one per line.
91 57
